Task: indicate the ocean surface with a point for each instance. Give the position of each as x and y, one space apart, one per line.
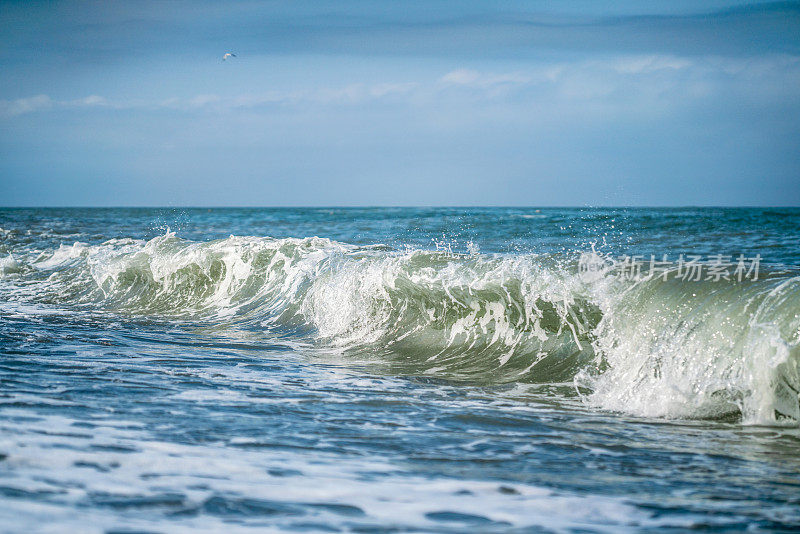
400 370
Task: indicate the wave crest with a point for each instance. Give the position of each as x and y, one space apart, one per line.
652 348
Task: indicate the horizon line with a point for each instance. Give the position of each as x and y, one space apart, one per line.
414 206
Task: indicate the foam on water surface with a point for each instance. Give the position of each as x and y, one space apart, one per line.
669 348
423 370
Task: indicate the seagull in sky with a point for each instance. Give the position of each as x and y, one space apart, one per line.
227 55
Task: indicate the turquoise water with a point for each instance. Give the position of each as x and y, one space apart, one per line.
435 370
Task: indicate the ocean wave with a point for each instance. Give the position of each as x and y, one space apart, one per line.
655 347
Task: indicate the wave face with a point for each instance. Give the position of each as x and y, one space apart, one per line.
652 348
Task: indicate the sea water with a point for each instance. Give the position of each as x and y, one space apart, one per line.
399 369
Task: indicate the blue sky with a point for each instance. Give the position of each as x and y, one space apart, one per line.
388 103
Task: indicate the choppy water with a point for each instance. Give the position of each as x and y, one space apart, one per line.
434 370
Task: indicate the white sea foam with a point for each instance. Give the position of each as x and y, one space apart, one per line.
107 461
653 348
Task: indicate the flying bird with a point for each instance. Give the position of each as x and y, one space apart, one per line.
227 55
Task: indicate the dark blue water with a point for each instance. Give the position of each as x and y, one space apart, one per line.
435 370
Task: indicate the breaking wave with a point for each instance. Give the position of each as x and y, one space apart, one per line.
656 348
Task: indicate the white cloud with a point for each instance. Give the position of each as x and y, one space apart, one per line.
203 100
655 83
461 77
474 78
644 64
386 89
92 100
21 106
